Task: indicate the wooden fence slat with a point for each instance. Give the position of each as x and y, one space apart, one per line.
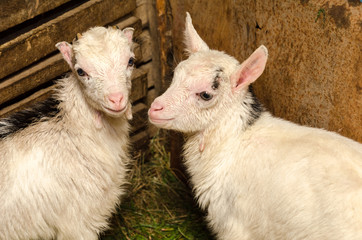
139 141
139 84
39 42
139 117
137 52
142 11
32 78
17 11
131 22
27 102
146 46
149 67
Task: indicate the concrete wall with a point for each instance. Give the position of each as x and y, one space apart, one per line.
313 75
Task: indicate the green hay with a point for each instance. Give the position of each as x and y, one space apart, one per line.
158 205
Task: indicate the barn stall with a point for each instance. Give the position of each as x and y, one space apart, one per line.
312 78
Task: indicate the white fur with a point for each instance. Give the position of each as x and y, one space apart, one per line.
62 177
258 177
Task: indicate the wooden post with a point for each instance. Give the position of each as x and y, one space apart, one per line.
167 64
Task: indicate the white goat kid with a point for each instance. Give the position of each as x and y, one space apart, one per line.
61 176
258 177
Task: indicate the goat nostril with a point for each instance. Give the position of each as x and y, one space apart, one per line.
156 107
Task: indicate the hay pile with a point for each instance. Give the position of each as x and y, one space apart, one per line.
158 205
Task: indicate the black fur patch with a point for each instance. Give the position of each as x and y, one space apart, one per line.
24 118
216 82
255 108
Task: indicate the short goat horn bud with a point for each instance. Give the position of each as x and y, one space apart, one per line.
78 36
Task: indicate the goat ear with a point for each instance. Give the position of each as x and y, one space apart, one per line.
67 52
250 69
193 41
128 32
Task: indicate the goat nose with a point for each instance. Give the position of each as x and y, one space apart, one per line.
115 99
155 106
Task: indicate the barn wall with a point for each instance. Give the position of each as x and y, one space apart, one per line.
313 74
30 62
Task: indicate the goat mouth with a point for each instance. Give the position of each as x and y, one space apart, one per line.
160 121
115 112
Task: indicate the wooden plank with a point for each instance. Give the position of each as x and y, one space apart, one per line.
139 120
155 31
152 130
32 78
139 141
165 20
17 11
139 84
151 95
143 7
165 43
133 22
149 68
138 53
146 45
27 102
39 42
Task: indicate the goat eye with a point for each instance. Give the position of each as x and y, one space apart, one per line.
205 96
131 62
81 72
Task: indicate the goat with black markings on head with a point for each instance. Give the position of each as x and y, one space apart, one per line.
258 177
62 166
